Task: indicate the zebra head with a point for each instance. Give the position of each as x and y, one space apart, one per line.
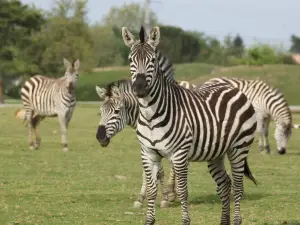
112 113
71 74
282 135
143 60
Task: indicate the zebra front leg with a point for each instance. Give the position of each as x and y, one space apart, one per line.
35 122
219 174
164 192
266 134
63 125
151 163
180 166
171 186
260 131
139 202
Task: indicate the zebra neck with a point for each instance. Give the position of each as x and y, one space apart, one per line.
131 109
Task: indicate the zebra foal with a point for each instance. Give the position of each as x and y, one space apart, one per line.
184 125
48 97
269 103
120 108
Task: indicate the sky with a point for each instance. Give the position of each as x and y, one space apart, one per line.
267 21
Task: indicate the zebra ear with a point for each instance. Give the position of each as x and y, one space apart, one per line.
101 92
154 37
67 64
128 37
76 64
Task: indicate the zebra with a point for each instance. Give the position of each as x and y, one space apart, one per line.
268 103
120 108
184 125
48 97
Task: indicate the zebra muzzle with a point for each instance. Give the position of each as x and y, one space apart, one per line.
101 136
140 86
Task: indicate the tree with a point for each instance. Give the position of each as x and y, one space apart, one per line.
66 35
238 45
131 14
295 48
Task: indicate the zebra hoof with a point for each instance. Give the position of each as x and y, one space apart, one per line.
171 196
164 204
31 147
65 149
137 205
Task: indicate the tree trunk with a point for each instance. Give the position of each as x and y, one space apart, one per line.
1 93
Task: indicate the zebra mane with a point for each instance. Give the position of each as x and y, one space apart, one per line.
166 67
123 85
142 34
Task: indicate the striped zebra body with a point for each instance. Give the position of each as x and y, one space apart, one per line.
47 97
268 103
184 125
120 108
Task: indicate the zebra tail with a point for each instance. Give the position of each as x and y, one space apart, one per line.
296 126
21 114
248 174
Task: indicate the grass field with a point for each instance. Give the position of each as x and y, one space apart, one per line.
80 187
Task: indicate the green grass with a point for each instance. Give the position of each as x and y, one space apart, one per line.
50 187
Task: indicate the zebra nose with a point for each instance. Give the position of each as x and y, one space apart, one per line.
282 151
140 82
101 133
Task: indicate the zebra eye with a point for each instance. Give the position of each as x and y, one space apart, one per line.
130 60
153 60
117 111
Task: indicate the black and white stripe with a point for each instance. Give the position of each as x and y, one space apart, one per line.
269 103
183 125
120 108
48 97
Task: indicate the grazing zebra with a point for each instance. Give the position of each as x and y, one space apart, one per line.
48 97
120 107
268 103
183 125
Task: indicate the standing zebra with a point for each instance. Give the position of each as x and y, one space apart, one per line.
48 97
182 125
268 103
120 107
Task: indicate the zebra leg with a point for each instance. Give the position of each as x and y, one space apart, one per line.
237 161
29 114
139 202
35 122
266 134
151 163
171 186
219 174
260 131
63 125
181 173
164 192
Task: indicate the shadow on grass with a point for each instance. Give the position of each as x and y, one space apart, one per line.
214 199
292 222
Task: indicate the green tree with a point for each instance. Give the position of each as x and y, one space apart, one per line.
295 48
131 14
66 35
17 24
238 45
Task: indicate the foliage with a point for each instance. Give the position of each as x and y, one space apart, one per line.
295 47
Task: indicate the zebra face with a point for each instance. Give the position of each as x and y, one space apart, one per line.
112 114
142 59
282 135
72 73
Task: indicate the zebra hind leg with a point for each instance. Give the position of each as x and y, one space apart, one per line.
237 160
29 114
139 202
160 177
35 122
171 186
219 174
260 131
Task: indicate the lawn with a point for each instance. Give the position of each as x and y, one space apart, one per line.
82 186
